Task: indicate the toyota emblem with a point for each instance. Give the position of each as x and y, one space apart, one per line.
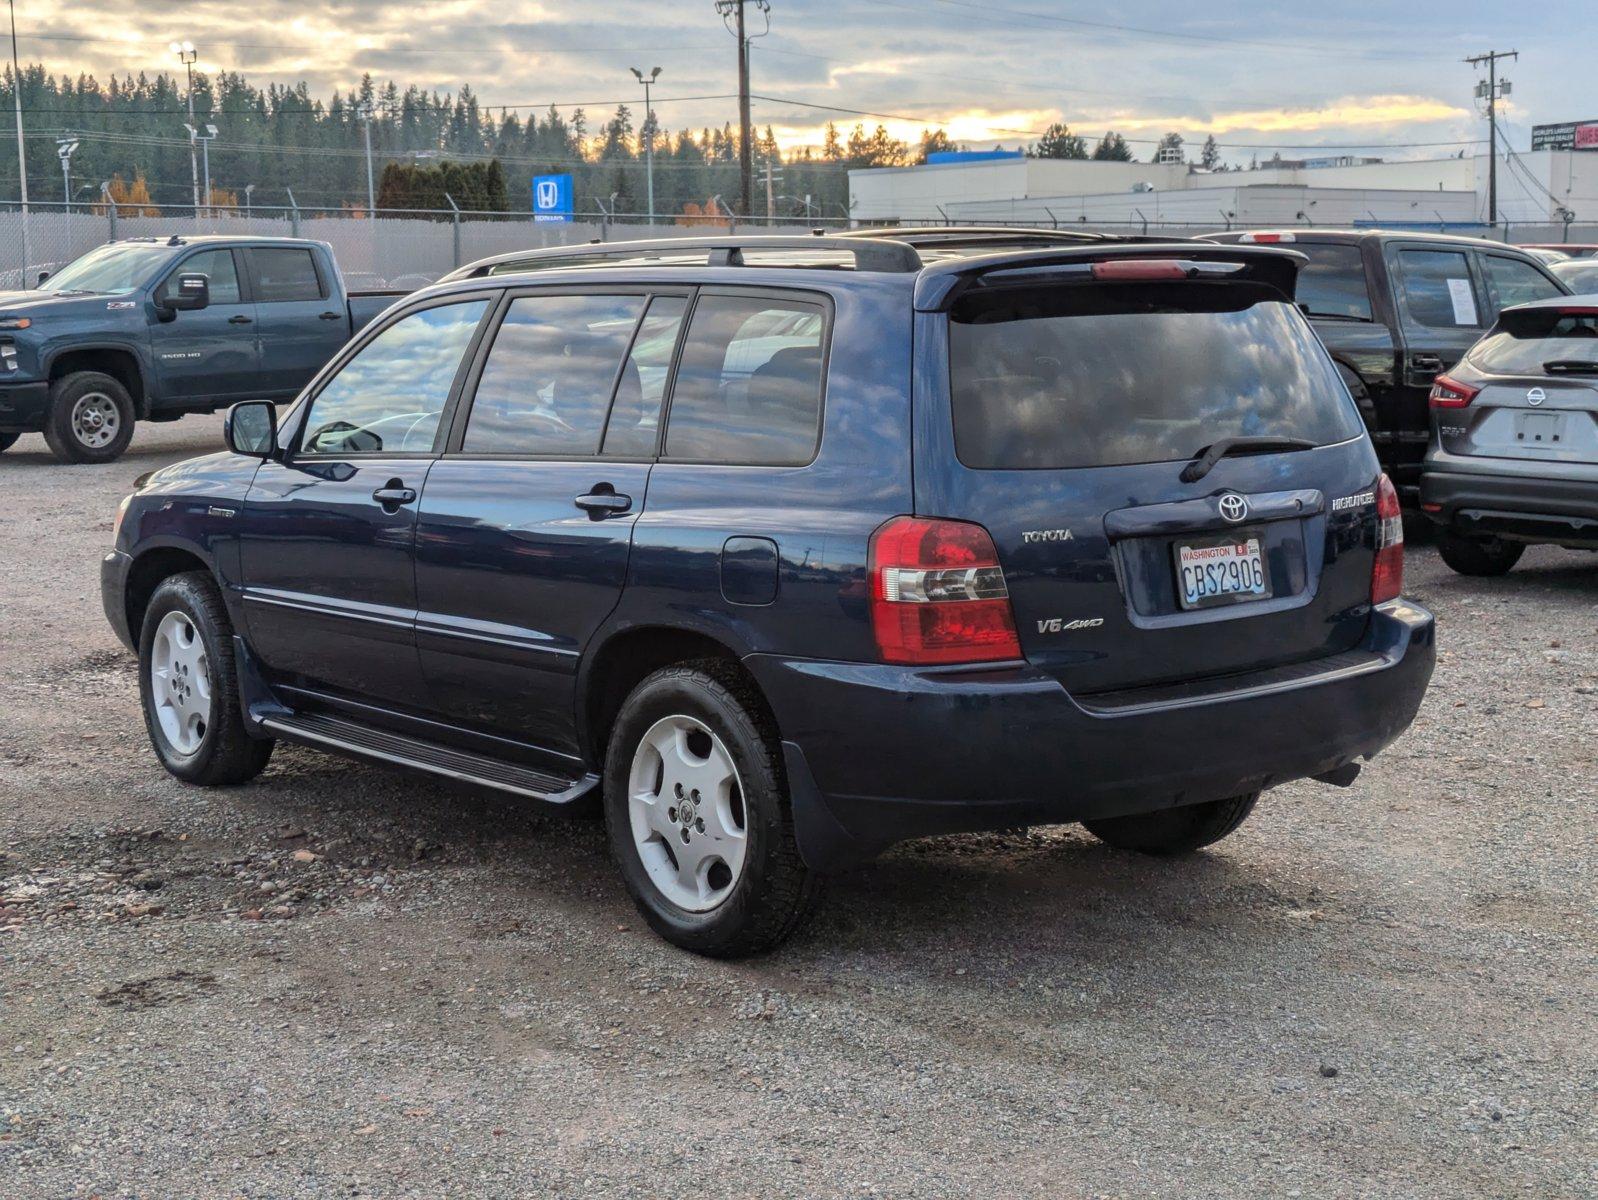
1233 507
1536 396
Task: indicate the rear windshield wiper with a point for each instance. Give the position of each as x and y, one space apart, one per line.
1206 458
1571 366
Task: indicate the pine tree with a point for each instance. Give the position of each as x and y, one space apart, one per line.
1059 142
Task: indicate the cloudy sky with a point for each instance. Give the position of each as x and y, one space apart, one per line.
1255 73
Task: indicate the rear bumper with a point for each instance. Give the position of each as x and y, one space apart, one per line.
1516 507
23 407
877 753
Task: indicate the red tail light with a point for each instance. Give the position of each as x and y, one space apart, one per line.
1450 393
938 594
1387 573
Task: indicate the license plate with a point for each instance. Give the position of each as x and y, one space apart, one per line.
1220 571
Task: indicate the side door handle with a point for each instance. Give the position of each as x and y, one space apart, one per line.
394 494
331 316
238 319
604 501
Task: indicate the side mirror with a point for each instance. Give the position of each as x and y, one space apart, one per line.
251 428
189 292
43 275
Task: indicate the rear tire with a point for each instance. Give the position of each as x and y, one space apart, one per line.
1478 556
1175 830
703 831
188 686
8 440
90 418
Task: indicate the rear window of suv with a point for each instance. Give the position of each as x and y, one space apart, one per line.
1525 342
1118 374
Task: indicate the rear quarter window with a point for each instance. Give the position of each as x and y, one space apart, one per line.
1111 375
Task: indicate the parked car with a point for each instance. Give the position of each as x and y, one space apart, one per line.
1580 275
1569 249
1396 309
1546 254
152 329
1514 462
789 549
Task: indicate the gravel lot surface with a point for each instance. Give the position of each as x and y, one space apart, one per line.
345 981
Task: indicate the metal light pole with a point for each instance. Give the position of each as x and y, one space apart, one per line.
205 140
366 123
248 188
649 126
22 159
187 55
65 148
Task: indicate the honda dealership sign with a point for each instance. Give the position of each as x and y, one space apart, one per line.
552 197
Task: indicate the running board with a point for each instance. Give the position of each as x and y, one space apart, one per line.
364 741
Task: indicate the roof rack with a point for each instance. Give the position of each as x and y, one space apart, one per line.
953 237
883 255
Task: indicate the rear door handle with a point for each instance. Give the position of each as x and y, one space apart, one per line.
331 316
239 319
394 495
603 501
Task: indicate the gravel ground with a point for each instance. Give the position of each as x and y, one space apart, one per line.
341 980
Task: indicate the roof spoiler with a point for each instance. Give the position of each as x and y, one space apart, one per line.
940 285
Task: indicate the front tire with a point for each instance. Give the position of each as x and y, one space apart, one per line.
697 809
1171 831
188 686
90 418
1478 556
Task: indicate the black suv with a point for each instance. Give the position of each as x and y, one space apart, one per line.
790 549
1396 309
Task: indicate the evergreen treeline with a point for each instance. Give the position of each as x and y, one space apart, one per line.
281 137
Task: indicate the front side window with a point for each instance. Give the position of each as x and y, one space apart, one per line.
1518 282
748 387
388 398
218 266
1438 292
1332 283
285 273
546 386
1107 376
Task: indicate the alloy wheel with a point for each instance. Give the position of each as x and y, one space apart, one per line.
686 805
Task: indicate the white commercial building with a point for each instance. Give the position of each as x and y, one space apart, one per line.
1534 188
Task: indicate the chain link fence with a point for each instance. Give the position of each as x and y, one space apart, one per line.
406 248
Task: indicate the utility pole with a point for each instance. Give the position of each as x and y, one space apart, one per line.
735 8
366 124
186 55
22 159
649 130
1490 90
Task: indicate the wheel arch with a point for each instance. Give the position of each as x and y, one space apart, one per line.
620 661
151 567
113 359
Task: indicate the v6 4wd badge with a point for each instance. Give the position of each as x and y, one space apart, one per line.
1061 625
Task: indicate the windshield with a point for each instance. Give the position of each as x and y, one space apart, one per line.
113 270
1523 341
1105 376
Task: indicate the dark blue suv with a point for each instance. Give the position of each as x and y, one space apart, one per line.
790 549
